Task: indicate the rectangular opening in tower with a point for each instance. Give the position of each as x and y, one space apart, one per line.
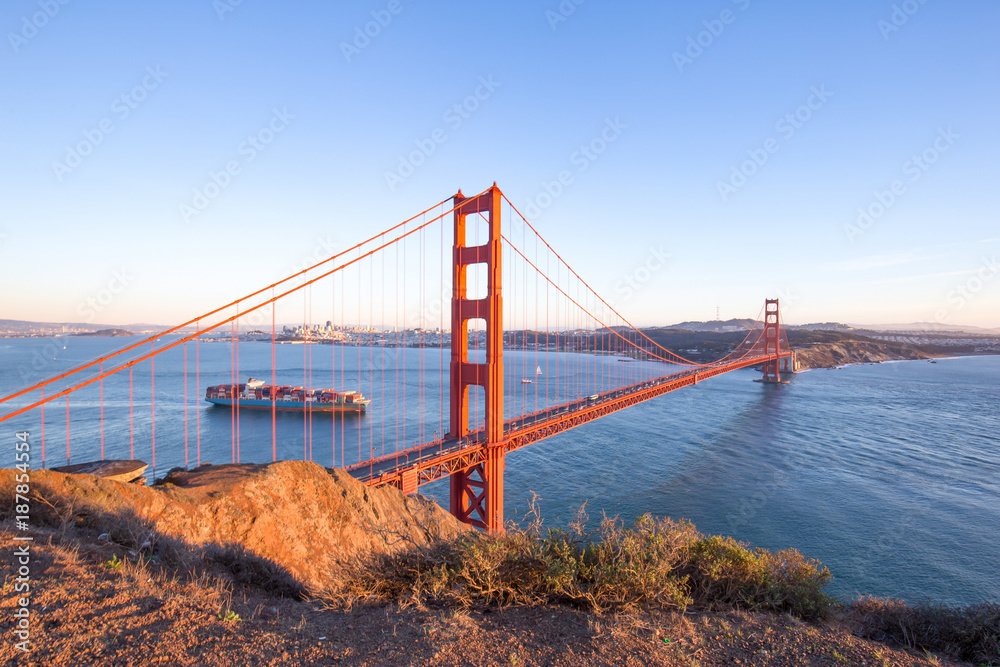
476 281
477 228
477 406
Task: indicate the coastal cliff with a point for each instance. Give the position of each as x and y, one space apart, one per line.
831 355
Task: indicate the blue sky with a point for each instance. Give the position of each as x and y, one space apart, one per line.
747 138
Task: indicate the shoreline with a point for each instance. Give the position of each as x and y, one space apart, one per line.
929 359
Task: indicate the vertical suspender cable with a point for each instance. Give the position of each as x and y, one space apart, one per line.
382 353
305 344
233 390
152 404
42 395
131 421
333 368
101 370
404 341
371 352
309 385
343 364
358 345
236 324
197 384
274 391
185 405
441 297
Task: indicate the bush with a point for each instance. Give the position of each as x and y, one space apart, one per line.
723 571
658 563
968 633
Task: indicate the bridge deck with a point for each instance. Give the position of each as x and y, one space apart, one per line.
426 463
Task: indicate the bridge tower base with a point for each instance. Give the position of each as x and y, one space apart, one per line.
477 492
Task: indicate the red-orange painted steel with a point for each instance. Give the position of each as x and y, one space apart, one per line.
464 461
478 501
772 340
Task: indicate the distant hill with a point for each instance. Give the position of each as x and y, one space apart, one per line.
26 328
105 332
715 325
15 326
926 326
745 324
822 326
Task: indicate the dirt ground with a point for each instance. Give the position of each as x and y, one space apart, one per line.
95 603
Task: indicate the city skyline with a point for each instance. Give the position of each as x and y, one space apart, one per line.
162 160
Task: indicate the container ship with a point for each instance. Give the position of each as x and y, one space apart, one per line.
256 394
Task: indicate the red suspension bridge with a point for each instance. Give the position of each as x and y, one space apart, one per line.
574 357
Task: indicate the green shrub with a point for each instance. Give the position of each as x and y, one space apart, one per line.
657 563
114 564
723 571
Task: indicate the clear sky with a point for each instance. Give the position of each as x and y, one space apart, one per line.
742 138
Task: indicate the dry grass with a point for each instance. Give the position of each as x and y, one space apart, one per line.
657 564
968 633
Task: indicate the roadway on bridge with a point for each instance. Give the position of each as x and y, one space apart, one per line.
393 463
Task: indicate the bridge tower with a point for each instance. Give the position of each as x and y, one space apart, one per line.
772 340
477 492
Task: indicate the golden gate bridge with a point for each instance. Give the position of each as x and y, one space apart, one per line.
508 290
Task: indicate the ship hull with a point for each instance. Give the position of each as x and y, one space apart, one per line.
296 406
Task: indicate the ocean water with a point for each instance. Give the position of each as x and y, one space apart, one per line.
889 474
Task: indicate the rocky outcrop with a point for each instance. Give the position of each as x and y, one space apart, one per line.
295 513
831 355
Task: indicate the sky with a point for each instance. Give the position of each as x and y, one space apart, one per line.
840 156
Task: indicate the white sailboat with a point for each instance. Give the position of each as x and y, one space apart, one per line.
538 371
